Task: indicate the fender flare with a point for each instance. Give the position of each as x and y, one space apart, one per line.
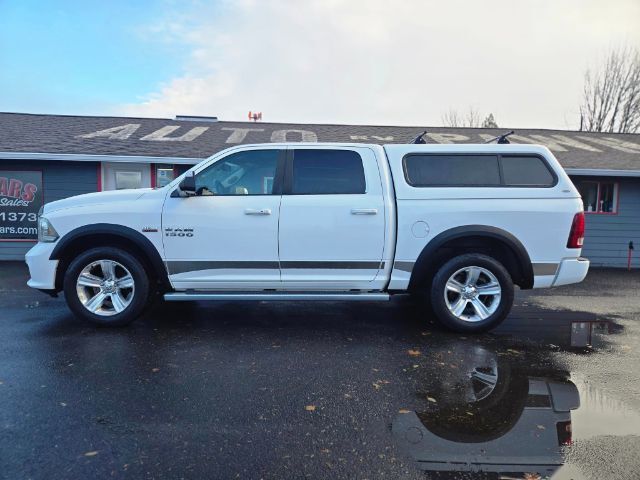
127 233
424 261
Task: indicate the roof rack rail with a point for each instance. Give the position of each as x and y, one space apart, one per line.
502 139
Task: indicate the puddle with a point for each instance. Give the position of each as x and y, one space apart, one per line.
508 413
600 414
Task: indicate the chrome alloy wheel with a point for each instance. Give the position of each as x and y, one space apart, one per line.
105 287
472 294
483 381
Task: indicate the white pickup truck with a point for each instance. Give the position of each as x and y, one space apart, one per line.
459 225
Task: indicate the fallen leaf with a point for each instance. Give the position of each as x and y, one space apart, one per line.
469 413
310 408
511 350
414 353
404 410
324 450
431 399
91 454
154 370
424 334
376 386
541 427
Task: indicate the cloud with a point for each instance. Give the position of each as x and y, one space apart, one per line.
381 62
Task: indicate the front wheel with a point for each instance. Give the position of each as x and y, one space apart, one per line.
106 286
472 293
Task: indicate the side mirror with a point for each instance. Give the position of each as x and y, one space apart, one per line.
188 185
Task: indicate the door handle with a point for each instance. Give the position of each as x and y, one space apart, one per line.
364 211
254 211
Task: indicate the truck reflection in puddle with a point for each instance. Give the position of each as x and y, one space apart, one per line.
491 411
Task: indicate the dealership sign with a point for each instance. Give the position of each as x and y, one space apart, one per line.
21 197
565 142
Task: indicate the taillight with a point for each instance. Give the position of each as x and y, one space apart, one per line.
576 236
564 433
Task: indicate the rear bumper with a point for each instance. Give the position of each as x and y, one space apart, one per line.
572 270
41 269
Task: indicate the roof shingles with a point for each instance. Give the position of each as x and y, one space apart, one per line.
56 134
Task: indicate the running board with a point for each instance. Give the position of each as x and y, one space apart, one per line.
276 296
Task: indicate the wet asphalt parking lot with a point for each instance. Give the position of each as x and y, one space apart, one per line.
323 390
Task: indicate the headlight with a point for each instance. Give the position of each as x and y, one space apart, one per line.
46 232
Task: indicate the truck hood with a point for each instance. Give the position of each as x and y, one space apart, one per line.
96 199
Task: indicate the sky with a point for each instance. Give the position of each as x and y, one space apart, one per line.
374 62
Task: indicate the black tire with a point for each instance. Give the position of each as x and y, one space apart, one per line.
438 289
141 291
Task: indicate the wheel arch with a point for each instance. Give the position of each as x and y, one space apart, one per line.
494 241
106 234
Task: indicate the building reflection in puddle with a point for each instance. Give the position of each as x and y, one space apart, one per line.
591 334
493 409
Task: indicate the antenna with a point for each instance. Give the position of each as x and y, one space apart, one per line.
501 139
419 140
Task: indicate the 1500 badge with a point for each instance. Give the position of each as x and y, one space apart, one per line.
178 232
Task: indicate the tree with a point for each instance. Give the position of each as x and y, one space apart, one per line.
611 96
489 122
453 119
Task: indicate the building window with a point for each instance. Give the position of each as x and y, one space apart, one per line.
164 175
128 179
599 197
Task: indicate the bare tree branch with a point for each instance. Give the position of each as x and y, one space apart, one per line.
470 119
451 119
611 95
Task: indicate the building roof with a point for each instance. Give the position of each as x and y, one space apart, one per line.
160 137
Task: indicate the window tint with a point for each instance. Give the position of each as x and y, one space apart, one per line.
243 173
446 170
523 171
326 172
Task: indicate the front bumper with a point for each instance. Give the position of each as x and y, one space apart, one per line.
572 270
41 269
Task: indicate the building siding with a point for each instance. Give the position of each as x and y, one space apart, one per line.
59 180
606 242
607 237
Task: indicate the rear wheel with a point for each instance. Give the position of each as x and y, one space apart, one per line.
106 286
472 293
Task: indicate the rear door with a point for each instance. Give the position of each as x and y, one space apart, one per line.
332 219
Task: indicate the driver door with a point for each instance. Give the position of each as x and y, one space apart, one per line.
226 237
